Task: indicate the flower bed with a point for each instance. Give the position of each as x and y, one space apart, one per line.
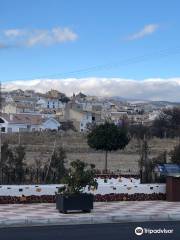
98 198
116 176
129 197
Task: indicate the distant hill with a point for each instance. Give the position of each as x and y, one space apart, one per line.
140 101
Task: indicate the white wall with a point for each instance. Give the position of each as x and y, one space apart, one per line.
52 103
28 190
51 124
15 127
87 118
123 185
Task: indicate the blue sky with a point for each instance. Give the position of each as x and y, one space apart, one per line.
113 47
103 31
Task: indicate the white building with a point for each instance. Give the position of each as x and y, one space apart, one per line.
50 103
27 123
13 107
80 118
116 117
9 99
85 120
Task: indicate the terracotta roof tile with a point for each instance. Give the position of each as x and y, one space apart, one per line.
23 118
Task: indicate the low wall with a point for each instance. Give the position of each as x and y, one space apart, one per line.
29 190
108 190
127 186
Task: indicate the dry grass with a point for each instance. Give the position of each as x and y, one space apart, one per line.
40 146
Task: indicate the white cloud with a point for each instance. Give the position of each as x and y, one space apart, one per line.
148 89
49 37
34 37
38 37
147 30
63 34
13 32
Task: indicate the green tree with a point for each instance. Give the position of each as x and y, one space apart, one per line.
64 99
139 131
6 163
57 166
19 157
147 164
167 124
175 154
108 137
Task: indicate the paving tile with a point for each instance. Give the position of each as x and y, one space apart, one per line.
118 210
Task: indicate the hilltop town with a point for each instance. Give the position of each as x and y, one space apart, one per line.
29 111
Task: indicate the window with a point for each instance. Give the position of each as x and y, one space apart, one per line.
22 129
9 130
3 129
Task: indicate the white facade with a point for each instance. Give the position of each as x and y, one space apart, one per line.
13 108
86 119
8 127
51 124
91 106
9 99
50 103
117 117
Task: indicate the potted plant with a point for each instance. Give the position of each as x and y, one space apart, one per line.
72 197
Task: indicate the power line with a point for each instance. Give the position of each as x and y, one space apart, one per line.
143 58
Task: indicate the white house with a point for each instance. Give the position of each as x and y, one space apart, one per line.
81 118
27 123
9 99
116 117
85 120
50 124
13 107
49 103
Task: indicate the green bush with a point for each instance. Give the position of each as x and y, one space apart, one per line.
78 176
